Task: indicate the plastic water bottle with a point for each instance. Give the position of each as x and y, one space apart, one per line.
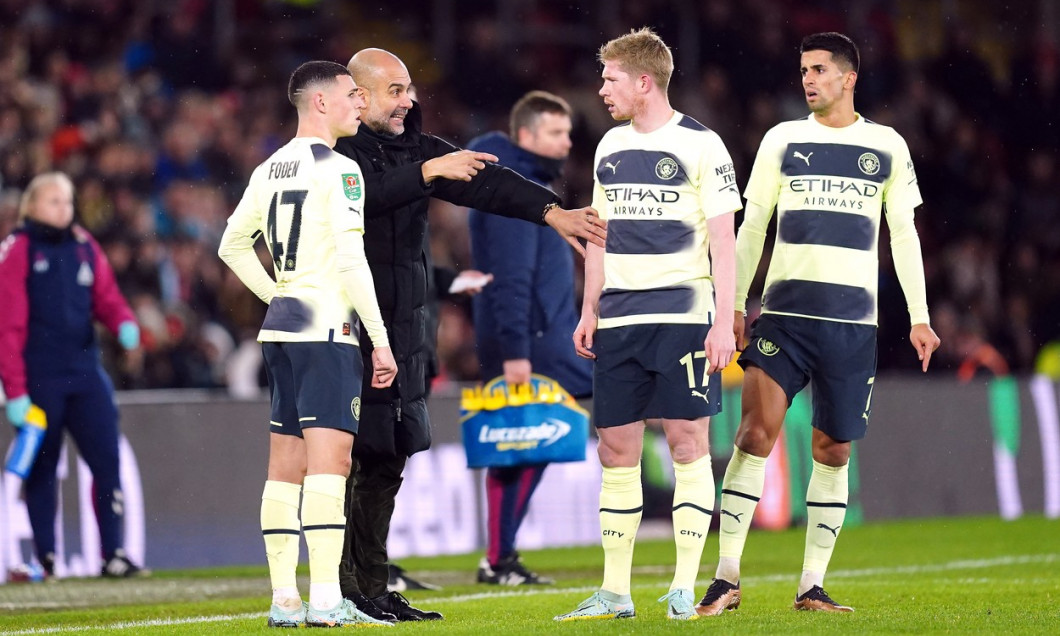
28 442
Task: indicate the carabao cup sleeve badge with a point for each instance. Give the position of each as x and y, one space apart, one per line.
533 423
351 185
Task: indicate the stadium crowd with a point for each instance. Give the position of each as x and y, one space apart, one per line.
159 112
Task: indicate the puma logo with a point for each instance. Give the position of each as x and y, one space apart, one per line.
355 211
613 166
734 516
806 158
834 531
705 396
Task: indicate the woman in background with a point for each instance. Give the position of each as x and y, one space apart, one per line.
54 282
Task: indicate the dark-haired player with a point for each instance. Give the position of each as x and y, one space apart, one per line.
829 176
307 202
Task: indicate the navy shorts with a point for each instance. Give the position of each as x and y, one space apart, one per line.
313 384
838 357
652 370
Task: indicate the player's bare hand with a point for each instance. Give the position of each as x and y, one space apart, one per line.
925 341
738 330
460 165
517 371
384 368
719 346
583 337
584 223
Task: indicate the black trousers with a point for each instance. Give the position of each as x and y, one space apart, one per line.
370 493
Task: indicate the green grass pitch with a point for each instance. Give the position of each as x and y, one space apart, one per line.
951 575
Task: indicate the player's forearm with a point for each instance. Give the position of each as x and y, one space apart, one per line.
594 280
909 264
749 244
357 282
237 251
723 267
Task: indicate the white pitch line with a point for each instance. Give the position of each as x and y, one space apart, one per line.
963 564
158 622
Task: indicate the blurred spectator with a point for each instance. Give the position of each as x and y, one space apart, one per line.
56 283
159 112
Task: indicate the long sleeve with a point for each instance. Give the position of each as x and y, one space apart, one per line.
495 189
237 249
108 305
357 282
908 262
749 244
14 319
394 187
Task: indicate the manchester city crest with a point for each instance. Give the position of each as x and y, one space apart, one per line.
666 169
767 348
869 163
355 407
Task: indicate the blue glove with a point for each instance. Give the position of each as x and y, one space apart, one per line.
17 409
129 335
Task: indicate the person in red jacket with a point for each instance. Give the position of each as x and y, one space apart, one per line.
55 282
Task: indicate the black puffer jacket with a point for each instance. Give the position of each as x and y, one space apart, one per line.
394 421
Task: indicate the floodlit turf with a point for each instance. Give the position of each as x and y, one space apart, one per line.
940 575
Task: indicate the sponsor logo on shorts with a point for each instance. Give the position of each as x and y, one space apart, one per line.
767 348
355 407
705 395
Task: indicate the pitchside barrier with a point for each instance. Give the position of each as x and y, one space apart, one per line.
194 463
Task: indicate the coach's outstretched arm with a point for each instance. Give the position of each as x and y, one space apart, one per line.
495 189
749 245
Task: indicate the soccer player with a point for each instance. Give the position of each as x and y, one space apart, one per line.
405 167
656 311
829 175
55 282
524 319
307 202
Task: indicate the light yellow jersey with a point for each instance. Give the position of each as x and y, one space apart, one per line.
830 187
307 202
656 190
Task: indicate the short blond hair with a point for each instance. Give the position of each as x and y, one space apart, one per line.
38 182
640 52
